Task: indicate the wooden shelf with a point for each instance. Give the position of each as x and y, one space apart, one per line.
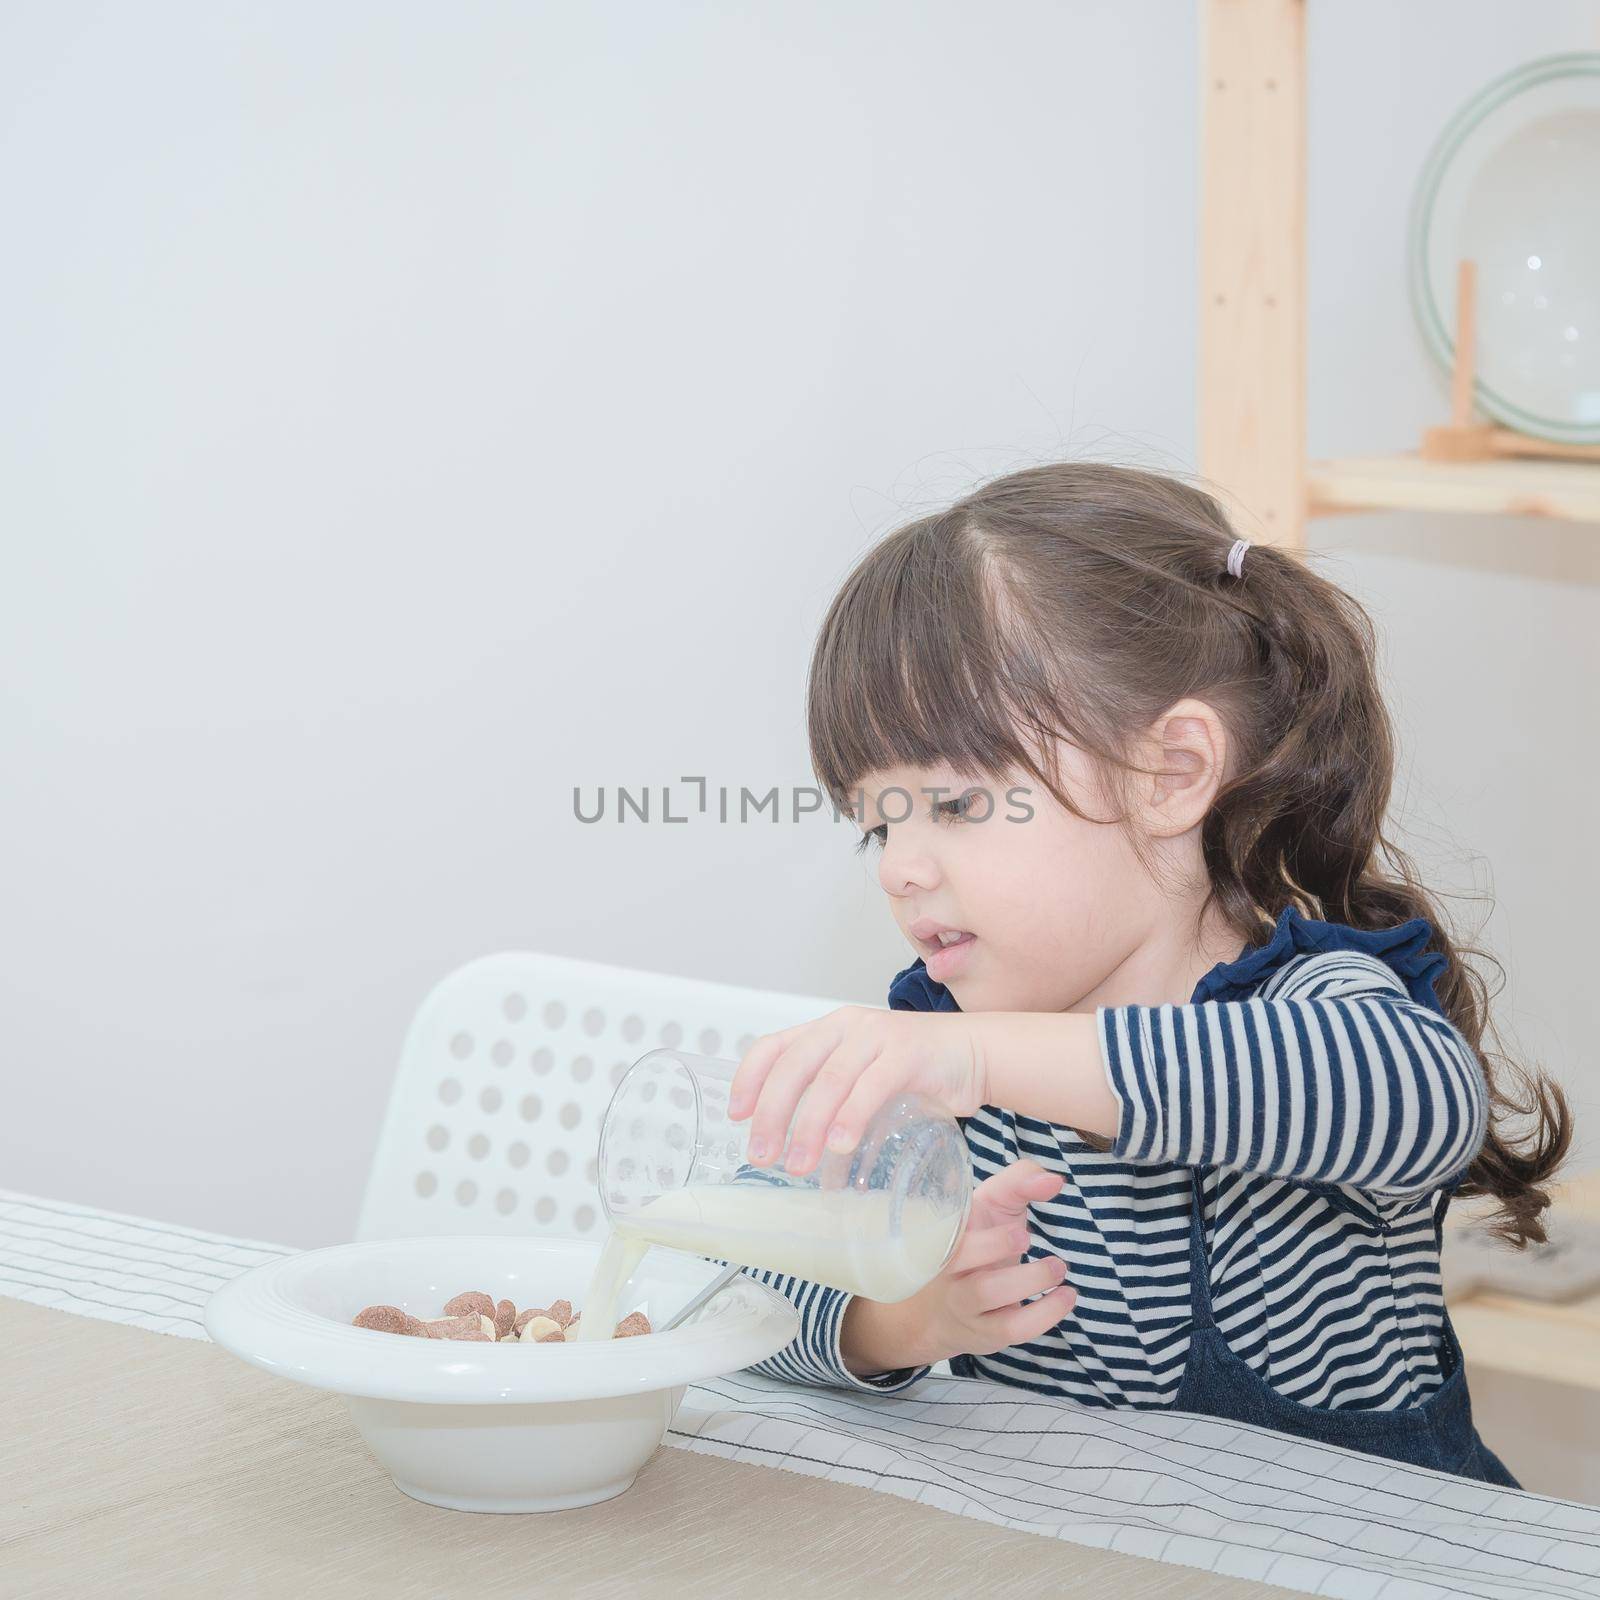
1566 490
1252 315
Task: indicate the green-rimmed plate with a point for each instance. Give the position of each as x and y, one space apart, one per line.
1514 184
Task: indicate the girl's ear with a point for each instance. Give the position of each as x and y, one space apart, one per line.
1188 747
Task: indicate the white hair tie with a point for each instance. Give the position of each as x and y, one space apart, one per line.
1236 557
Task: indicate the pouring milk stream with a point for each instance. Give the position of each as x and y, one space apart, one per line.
879 1221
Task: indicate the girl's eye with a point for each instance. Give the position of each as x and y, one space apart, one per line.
945 810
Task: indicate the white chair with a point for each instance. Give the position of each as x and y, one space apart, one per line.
493 1123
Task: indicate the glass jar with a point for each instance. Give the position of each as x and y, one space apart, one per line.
881 1220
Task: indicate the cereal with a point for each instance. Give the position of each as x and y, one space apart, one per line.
472 1316
473 1300
473 1326
390 1319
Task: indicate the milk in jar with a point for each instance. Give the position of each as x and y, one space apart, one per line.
879 1221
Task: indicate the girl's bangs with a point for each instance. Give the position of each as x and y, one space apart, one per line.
909 671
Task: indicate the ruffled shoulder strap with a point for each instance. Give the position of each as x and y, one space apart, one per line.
914 990
1403 948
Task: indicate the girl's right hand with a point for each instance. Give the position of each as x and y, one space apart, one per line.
974 1305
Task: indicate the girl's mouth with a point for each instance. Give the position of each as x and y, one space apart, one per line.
949 956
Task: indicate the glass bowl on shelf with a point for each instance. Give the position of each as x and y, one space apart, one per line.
1513 184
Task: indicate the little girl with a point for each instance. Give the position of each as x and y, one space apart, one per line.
1100 744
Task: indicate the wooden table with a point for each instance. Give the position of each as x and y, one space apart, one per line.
138 1464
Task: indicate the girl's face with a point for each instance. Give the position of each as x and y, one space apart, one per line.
1050 905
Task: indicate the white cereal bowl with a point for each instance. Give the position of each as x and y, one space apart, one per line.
502 1426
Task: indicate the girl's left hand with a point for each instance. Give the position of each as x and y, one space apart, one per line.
847 1065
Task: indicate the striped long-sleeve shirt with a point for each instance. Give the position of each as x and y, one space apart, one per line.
1319 1086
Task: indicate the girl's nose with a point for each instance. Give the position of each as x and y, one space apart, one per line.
903 868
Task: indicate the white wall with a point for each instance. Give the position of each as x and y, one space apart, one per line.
411 413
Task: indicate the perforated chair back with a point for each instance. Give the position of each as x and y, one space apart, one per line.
493 1124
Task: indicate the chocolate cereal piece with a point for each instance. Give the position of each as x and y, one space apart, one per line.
505 1319
636 1322
472 1300
561 1311
387 1319
525 1317
472 1327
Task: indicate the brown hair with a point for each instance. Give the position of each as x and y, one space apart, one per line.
1079 601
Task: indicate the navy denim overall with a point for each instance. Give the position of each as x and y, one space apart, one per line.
1217 1383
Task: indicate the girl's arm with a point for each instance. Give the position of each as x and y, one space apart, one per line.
1332 1075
